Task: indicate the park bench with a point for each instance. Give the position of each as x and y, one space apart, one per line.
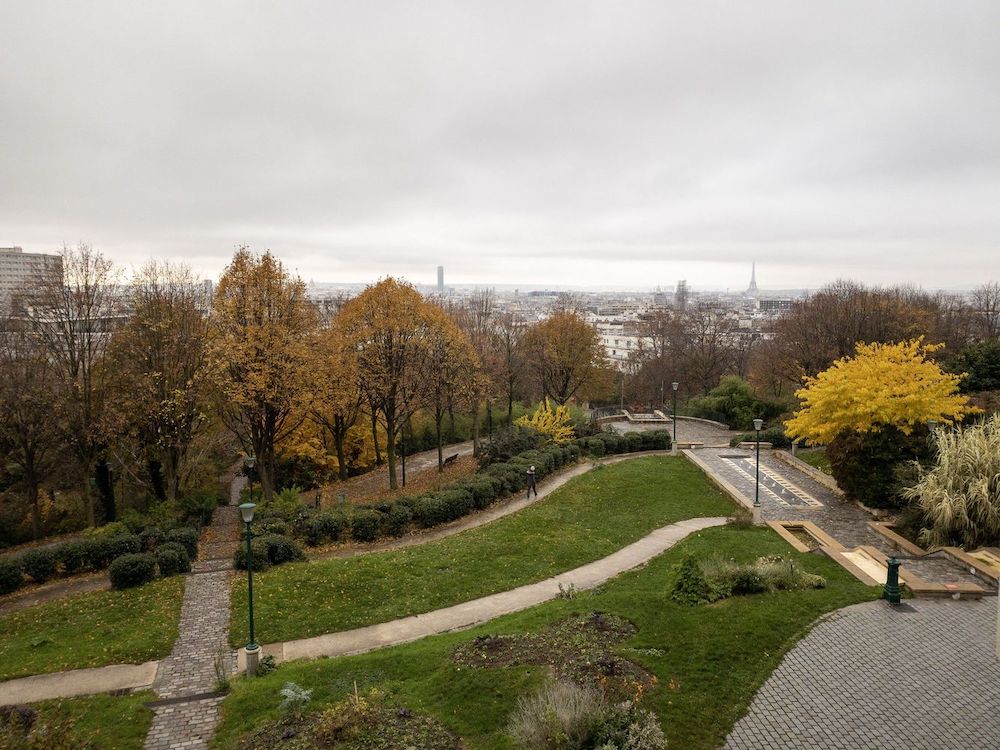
451 459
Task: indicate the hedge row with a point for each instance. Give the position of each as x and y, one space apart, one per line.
495 481
774 435
93 554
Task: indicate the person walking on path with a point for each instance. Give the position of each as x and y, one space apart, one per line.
531 482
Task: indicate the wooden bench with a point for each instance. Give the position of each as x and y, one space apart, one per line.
451 459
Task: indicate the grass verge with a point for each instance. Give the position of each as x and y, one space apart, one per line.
590 517
92 630
817 459
106 722
708 660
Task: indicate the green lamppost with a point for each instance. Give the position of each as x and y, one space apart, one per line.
674 444
252 649
757 424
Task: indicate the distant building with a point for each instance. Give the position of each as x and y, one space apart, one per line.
752 289
774 307
18 269
440 280
681 294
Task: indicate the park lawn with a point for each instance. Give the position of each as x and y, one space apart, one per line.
105 721
92 630
590 517
817 459
709 660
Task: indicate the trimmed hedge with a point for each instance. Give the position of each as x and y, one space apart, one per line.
10 575
132 570
268 550
40 564
774 435
186 536
172 559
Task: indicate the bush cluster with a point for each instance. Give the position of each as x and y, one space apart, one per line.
98 551
130 570
495 479
702 583
268 550
774 435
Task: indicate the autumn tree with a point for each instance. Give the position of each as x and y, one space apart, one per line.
881 385
260 355
338 397
872 410
509 360
452 372
29 436
72 315
158 368
566 356
386 326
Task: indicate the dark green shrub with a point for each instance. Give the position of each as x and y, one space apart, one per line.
73 555
866 465
280 549
131 570
512 477
365 525
151 538
260 559
198 507
655 440
172 558
40 564
10 575
123 544
325 526
186 536
633 442
593 446
509 442
274 527
398 519
747 580
733 401
484 488
691 586
774 435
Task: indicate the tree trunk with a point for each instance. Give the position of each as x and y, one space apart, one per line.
36 511
339 433
155 469
451 422
390 448
106 490
88 501
476 447
378 451
438 416
510 407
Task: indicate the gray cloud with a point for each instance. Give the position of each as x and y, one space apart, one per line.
561 142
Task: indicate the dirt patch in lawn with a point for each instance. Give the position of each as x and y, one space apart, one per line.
579 648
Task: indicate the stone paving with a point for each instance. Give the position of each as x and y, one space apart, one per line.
185 716
688 431
787 494
923 676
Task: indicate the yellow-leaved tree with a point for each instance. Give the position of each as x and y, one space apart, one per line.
556 424
882 385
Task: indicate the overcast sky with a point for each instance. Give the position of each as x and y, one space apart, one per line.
513 142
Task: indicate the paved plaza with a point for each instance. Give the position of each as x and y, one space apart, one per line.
923 676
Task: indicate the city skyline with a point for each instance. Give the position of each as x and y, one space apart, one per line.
585 146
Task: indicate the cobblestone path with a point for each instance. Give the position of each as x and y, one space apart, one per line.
187 710
923 676
787 494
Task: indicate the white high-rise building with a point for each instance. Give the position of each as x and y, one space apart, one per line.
18 269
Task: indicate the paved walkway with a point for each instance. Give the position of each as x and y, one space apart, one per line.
188 711
920 677
468 614
787 494
688 431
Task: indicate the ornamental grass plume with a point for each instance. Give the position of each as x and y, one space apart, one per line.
959 497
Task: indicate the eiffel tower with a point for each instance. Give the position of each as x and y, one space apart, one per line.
753 279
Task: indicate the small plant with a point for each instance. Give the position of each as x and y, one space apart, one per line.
220 662
691 586
560 716
567 592
266 665
294 700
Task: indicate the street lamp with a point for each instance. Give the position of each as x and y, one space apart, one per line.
674 444
252 649
757 424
